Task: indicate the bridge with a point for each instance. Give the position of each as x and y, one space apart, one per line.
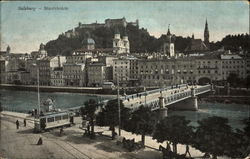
182 97
169 97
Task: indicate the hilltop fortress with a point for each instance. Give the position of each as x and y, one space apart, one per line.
108 23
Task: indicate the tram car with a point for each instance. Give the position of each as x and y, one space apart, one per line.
53 120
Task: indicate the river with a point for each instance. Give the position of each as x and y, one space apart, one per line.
23 101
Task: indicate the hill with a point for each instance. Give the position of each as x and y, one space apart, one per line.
140 41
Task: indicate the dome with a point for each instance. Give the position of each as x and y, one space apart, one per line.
90 41
42 46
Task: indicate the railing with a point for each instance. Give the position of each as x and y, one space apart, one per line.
174 97
128 97
203 89
77 108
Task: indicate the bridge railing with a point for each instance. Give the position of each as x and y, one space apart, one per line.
128 97
202 89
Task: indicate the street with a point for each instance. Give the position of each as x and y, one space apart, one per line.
22 143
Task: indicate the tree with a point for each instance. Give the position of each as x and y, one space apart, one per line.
90 110
233 79
246 122
246 139
237 145
247 81
175 129
212 136
142 122
1 108
109 115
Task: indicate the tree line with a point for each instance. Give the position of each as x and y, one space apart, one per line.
213 135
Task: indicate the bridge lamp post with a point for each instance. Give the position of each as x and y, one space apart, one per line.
145 92
119 105
38 88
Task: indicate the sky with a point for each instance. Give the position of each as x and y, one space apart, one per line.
25 30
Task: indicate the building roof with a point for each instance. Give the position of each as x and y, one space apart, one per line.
95 50
2 52
47 58
196 45
74 64
97 64
230 56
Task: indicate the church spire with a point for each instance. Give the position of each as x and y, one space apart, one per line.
206 33
168 33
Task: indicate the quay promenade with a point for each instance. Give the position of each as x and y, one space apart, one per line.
21 143
85 90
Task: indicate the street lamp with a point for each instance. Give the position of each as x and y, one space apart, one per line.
145 92
119 107
38 91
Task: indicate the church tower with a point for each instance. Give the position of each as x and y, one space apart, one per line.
168 46
42 51
117 42
8 50
120 45
126 42
206 35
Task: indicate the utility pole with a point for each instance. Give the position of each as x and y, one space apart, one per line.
119 107
38 91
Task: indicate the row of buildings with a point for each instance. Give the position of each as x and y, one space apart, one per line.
85 69
90 66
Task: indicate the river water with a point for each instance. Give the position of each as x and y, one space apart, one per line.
23 101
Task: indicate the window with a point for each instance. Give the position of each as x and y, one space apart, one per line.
57 118
65 116
51 119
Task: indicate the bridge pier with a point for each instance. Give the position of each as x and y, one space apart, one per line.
193 103
228 89
187 104
163 111
212 89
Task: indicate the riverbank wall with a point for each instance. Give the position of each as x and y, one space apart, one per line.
224 90
84 90
227 99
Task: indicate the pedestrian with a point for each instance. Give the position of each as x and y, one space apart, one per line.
40 141
187 151
61 131
17 124
24 122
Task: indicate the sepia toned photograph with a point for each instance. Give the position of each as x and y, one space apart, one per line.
124 80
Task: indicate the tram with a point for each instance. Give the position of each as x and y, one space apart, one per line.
53 120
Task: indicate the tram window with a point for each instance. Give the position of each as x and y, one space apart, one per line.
65 116
57 118
51 119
